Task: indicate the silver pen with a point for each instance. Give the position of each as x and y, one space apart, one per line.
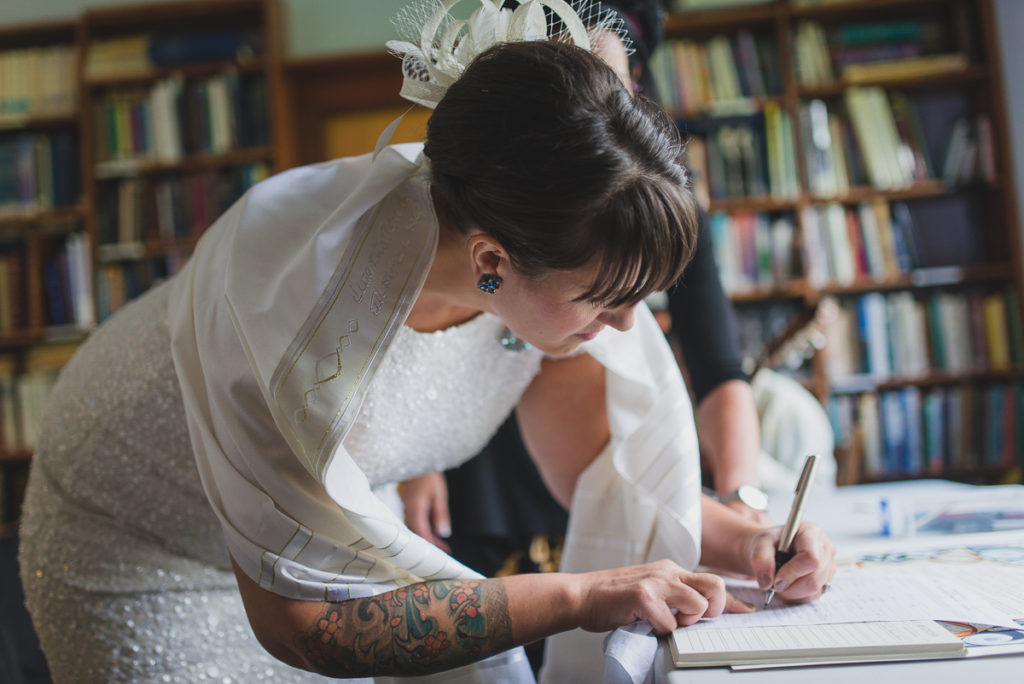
796 511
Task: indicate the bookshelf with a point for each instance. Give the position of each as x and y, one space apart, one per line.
165 113
872 168
178 122
42 226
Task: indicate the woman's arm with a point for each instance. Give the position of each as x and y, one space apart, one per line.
704 325
730 440
564 422
442 624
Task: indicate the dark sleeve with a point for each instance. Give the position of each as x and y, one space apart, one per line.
703 321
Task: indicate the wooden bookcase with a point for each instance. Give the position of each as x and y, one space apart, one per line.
174 137
963 235
224 50
39 136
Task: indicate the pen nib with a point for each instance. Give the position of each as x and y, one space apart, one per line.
768 596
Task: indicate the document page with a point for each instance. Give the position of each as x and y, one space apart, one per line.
882 592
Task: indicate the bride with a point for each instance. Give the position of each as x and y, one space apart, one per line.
204 491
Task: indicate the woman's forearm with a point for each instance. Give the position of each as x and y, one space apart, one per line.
418 629
729 433
725 537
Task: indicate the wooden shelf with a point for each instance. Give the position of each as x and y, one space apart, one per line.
722 110
16 456
37 121
127 168
796 289
919 190
864 384
942 276
198 70
752 203
34 217
133 251
972 75
855 9
13 339
37 33
711 20
172 15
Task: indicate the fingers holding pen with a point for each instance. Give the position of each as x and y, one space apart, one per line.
811 567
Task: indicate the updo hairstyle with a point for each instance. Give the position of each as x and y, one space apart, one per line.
541 146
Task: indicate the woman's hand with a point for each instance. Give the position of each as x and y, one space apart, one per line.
662 593
805 576
425 499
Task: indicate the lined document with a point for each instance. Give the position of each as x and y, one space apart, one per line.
968 592
814 643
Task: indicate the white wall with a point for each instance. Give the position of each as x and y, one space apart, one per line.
330 26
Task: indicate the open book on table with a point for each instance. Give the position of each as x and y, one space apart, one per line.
839 642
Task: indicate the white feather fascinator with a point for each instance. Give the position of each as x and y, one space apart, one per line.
436 47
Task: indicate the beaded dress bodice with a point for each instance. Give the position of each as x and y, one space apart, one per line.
437 398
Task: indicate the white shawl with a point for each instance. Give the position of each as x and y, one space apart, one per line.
277 325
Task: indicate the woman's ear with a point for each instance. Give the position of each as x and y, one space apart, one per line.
487 255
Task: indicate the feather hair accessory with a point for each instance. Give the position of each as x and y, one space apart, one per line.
436 47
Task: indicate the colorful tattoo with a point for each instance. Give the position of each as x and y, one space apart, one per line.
417 629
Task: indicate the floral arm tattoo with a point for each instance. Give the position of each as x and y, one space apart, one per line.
417 629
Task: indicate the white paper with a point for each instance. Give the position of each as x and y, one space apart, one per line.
888 592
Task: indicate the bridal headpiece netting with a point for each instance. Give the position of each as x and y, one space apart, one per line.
436 47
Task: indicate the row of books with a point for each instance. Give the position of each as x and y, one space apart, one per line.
876 337
720 73
141 54
759 324
873 51
745 156
178 116
67 283
916 433
831 156
37 81
970 154
845 243
753 250
891 159
23 393
119 283
167 208
38 171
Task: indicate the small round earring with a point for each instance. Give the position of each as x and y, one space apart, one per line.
489 283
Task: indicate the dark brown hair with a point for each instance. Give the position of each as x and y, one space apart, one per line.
541 146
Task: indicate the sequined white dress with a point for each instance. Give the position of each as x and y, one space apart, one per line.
125 569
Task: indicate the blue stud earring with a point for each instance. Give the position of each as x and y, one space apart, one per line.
489 283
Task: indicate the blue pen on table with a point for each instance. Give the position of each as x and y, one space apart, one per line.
783 553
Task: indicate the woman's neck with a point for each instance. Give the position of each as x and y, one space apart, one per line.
449 296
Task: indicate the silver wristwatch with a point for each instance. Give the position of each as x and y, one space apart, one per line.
750 496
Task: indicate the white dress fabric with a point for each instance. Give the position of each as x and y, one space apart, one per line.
293 302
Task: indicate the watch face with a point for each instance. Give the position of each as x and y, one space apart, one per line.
753 497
